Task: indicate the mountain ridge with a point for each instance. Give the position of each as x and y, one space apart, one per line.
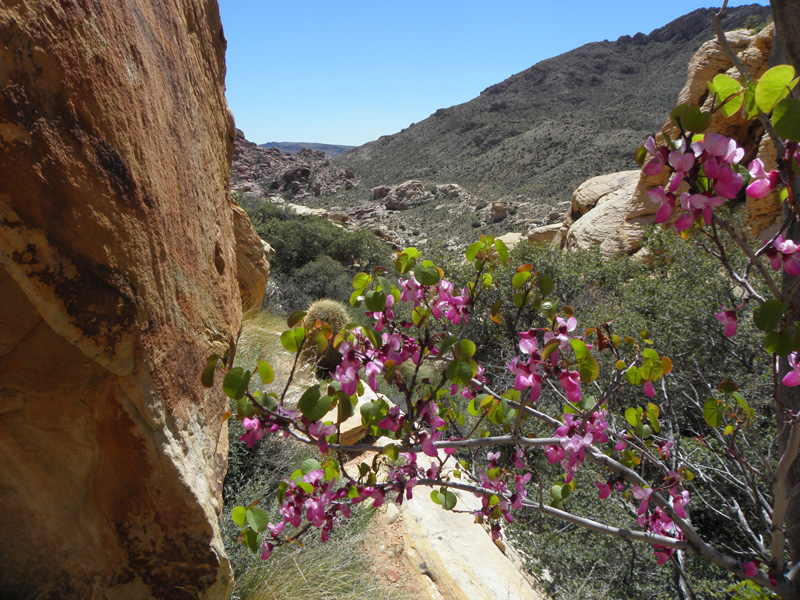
543 131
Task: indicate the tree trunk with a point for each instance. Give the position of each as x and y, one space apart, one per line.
786 50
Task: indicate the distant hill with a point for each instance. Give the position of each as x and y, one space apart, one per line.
542 132
295 147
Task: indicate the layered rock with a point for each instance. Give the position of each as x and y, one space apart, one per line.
614 210
118 278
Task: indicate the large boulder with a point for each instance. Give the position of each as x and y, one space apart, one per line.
118 279
407 195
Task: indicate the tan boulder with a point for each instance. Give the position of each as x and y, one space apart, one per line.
118 278
252 264
511 239
544 234
498 210
607 221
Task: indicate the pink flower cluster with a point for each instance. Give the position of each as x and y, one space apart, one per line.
784 253
716 154
575 435
656 520
442 302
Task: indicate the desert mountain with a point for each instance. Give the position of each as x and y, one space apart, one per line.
295 147
542 132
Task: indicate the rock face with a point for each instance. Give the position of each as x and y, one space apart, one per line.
612 211
260 172
118 278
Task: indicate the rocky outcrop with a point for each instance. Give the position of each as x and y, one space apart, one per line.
260 172
118 278
407 195
613 211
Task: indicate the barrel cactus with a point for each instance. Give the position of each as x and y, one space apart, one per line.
334 314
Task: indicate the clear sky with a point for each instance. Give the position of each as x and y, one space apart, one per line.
348 71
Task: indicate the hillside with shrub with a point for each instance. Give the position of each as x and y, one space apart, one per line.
542 132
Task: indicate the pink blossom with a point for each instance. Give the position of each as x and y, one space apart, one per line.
682 163
656 164
571 384
648 389
604 489
679 502
666 202
642 494
750 569
254 431
792 378
729 320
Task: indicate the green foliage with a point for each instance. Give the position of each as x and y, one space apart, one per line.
335 315
313 257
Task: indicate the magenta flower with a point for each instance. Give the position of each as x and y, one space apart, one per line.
254 431
666 201
642 494
571 384
682 163
729 320
792 378
679 502
762 182
648 389
656 165
604 489
750 569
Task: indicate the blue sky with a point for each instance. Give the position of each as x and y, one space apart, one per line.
349 71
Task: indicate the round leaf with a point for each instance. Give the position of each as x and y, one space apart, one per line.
713 412
786 119
773 86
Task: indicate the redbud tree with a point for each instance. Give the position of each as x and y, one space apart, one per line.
426 438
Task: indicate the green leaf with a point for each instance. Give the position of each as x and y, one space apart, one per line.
725 88
589 369
375 300
289 342
559 492
427 273
631 416
727 387
550 347
355 298
207 377
502 250
473 250
580 348
420 315
640 154
677 116
461 371
713 412
786 119
634 376
466 349
265 372
238 515
406 260
545 284
519 279
391 451
748 410
447 500
361 281
768 315
235 383
295 318
312 406
518 299
252 539
487 280
447 343
257 518
773 86
308 465
781 344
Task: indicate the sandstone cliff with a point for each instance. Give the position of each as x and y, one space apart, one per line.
118 277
